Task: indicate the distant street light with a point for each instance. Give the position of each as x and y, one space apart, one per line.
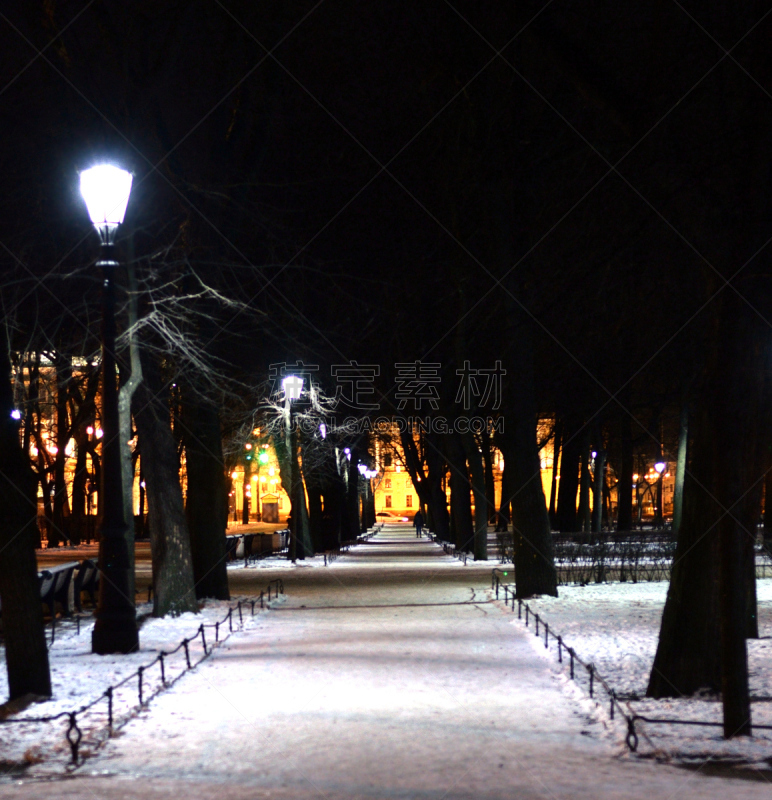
106 189
659 518
293 387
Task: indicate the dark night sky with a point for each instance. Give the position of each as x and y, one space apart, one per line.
385 180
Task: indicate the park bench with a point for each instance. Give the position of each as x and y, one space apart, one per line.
231 546
54 584
86 580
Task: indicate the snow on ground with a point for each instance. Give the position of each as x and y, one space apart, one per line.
615 627
389 674
79 678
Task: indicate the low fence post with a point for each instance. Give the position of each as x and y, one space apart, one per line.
560 649
163 668
140 671
109 694
74 736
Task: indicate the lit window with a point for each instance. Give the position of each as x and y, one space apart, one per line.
388 483
408 501
388 501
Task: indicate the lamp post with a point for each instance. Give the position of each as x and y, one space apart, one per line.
106 189
659 468
293 387
262 460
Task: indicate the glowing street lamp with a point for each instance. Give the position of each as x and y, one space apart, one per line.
106 189
292 386
659 468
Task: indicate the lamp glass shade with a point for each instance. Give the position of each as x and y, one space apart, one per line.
106 189
292 386
660 467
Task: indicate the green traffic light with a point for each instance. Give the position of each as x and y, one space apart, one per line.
263 457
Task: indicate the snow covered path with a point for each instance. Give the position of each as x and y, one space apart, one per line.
387 675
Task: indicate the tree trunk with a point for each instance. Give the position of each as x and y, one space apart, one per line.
556 445
315 517
678 491
597 490
584 489
768 502
173 586
707 597
533 556
569 477
352 498
481 509
490 487
60 526
79 484
26 655
207 506
505 504
625 484
460 500
687 658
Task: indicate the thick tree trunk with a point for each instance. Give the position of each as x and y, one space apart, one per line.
207 507
534 564
556 445
79 482
352 498
597 489
460 500
584 489
173 587
687 657
569 477
61 521
625 484
435 496
707 597
26 655
768 504
481 509
315 517
678 491
490 487
505 504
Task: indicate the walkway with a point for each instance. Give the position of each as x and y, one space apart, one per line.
386 675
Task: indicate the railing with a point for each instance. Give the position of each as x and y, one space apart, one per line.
450 549
334 553
633 556
146 688
594 679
